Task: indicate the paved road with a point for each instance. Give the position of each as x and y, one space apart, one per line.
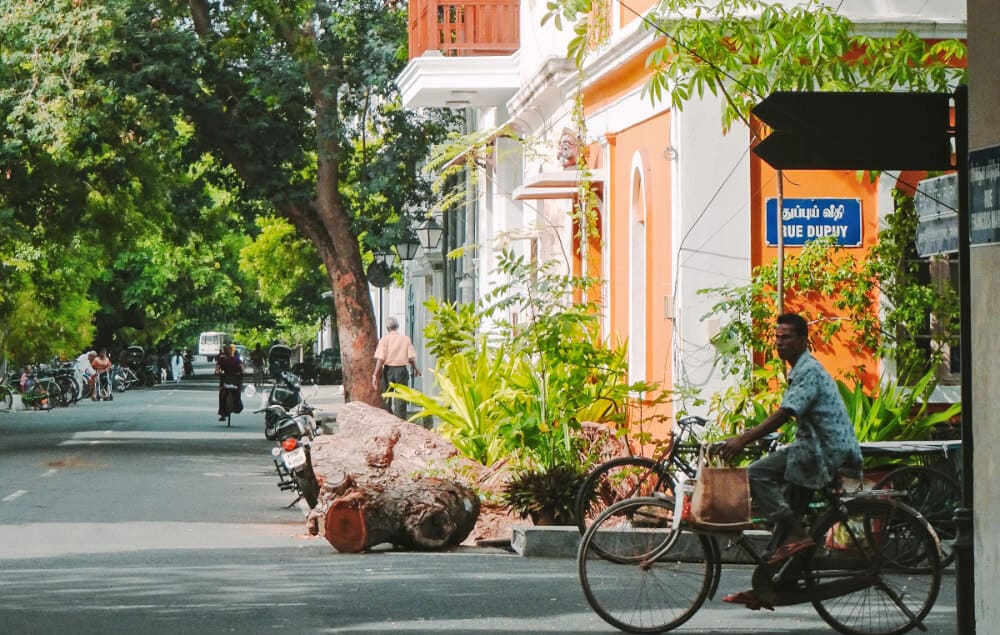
146 515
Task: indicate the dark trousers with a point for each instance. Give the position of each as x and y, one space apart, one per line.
767 484
396 375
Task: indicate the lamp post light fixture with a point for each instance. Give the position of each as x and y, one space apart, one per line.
407 248
429 232
385 257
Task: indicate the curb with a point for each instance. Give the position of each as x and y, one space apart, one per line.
562 542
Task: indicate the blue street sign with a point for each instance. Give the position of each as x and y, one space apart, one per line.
806 219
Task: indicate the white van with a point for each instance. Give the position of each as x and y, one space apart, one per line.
210 343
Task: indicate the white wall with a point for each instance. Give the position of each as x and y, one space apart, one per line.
711 231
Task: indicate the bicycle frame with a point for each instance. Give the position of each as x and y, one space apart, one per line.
784 583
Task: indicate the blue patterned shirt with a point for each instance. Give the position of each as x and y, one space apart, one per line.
824 440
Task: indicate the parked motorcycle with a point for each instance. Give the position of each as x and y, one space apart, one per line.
294 431
287 393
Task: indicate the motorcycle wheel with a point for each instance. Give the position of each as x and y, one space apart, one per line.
305 482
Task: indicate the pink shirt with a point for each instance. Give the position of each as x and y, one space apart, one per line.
395 349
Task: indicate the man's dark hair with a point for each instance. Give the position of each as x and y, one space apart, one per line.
796 321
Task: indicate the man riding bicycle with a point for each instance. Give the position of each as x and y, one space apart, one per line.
825 443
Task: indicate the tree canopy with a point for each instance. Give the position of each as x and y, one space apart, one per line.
142 140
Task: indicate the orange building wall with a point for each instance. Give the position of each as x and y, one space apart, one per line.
645 137
844 355
630 12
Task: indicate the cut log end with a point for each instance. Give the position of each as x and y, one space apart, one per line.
345 528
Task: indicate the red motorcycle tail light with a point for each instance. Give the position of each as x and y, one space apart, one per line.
290 444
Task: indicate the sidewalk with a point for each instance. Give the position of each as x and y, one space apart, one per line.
327 399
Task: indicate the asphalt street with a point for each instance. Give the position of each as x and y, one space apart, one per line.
147 515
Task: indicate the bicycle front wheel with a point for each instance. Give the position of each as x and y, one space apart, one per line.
6 398
885 558
656 581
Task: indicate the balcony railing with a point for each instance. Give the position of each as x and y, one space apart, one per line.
465 27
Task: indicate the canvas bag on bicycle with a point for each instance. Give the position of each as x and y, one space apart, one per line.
721 493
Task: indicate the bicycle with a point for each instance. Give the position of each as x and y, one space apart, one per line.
875 568
64 375
102 386
933 493
631 476
6 396
123 378
41 394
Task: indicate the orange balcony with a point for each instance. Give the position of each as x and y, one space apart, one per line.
461 28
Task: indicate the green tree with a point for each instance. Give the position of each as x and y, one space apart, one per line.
288 275
151 135
743 50
298 99
71 174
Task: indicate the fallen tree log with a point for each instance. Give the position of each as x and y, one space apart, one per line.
375 484
428 513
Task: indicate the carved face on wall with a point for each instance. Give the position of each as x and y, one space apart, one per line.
569 149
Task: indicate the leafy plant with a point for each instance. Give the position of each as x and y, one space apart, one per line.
547 494
895 413
464 403
519 390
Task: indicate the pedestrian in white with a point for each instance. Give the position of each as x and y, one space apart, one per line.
84 370
177 366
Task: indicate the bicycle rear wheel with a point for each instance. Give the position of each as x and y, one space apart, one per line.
615 480
934 494
656 581
886 560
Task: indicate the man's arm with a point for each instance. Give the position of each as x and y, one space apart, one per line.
379 362
735 444
413 363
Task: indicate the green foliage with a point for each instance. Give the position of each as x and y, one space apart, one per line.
822 271
903 333
465 405
520 389
744 50
547 494
453 329
895 413
289 276
140 140
818 272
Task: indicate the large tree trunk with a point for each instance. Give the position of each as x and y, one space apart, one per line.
373 489
324 220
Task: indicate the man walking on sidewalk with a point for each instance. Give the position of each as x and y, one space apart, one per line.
394 352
